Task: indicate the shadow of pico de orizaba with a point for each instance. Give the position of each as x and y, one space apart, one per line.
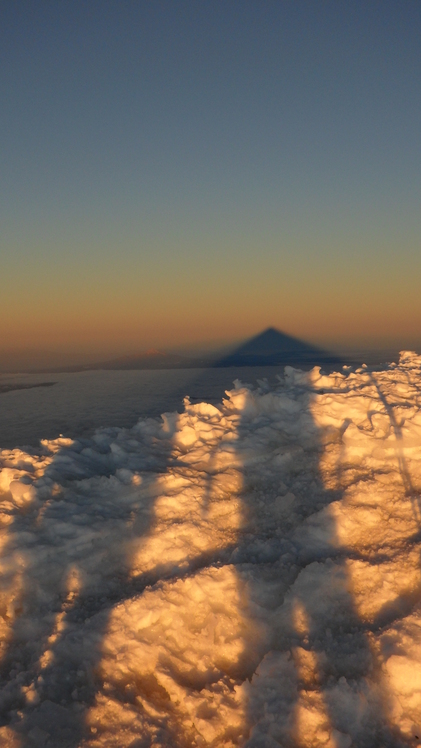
275 348
271 347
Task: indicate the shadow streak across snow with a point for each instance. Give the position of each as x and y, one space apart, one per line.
315 637
79 572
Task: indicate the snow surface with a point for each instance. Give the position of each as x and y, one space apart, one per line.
247 574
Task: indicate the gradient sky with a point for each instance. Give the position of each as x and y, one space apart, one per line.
175 172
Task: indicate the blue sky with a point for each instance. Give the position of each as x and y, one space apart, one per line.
180 172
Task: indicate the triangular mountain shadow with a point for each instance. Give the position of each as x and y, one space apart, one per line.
273 348
270 348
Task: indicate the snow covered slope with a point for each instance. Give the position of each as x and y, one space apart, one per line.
247 574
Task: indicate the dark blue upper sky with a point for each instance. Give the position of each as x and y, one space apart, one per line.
258 151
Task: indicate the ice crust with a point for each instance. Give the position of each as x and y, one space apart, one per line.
247 574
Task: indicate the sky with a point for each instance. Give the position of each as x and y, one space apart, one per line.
184 173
